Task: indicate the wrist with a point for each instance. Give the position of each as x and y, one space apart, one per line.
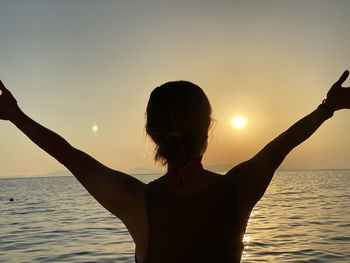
326 109
15 115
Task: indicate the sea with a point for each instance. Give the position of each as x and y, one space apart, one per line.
303 217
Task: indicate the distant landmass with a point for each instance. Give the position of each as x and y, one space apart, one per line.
57 173
219 168
143 170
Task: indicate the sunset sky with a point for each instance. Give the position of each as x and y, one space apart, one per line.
85 69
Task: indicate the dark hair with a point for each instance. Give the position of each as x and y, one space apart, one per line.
178 119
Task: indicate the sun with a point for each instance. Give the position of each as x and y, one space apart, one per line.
238 122
94 128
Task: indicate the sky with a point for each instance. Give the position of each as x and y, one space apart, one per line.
75 65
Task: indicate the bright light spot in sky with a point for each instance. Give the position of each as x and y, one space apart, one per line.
94 128
238 122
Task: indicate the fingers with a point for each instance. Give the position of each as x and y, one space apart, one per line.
3 89
343 77
2 86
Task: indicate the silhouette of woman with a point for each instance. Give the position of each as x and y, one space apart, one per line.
189 214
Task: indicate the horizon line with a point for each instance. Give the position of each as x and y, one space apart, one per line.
67 173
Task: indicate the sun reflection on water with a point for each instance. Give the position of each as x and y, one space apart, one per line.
246 241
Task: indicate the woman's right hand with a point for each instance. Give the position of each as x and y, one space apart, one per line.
8 103
338 97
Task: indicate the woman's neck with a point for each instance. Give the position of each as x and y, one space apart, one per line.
181 174
174 166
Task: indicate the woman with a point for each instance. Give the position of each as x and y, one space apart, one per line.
189 214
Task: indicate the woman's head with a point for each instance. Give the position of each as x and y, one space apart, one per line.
178 120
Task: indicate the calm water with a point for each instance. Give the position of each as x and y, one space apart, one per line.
303 217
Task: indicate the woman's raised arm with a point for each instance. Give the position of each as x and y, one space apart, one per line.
119 193
254 175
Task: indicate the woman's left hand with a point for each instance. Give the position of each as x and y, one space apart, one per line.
338 97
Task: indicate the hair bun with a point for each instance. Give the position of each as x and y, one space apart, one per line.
171 148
